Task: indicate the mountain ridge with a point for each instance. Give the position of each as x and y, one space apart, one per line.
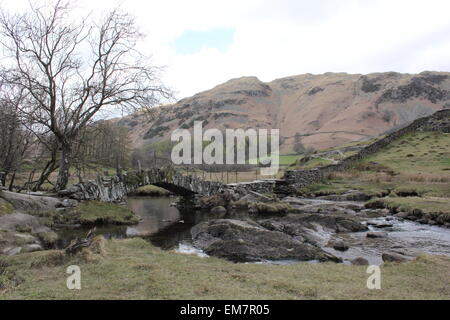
366 105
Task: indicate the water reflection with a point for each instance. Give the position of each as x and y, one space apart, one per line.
155 213
169 228
174 226
161 223
166 226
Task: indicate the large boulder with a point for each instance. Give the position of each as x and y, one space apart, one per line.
20 231
316 229
295 224
13 221
247 241
338 245
30 203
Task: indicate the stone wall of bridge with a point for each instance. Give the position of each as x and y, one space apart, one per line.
116 189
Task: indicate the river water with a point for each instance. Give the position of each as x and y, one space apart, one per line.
161 223
168 228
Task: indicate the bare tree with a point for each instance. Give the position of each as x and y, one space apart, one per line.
14 136
70 72
46 147
102 143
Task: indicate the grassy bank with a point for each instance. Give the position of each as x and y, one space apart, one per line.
151 191
419 152
134 269
378 187
92 213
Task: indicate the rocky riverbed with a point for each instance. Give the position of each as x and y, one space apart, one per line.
252 229
318 230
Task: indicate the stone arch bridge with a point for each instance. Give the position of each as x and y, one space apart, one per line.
115 188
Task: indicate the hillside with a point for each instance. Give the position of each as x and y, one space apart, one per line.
423 146
408 171
347 107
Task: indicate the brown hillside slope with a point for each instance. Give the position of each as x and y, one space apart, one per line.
337 103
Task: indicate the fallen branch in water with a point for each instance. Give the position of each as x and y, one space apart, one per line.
77 244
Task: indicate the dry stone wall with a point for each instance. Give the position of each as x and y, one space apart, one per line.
439 121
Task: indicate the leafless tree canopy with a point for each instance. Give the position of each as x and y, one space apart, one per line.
70 71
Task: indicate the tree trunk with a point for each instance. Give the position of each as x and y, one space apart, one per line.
45 174
11 184
3 179
64 166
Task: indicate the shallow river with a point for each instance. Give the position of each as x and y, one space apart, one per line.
166 227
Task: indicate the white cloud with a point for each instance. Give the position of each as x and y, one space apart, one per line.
280 38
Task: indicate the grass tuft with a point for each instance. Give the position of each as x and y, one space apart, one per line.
5 207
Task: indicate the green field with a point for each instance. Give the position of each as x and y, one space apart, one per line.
417 153
137 270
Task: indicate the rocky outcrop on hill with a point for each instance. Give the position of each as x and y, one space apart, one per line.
419 87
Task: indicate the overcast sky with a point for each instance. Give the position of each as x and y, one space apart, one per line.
203 43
